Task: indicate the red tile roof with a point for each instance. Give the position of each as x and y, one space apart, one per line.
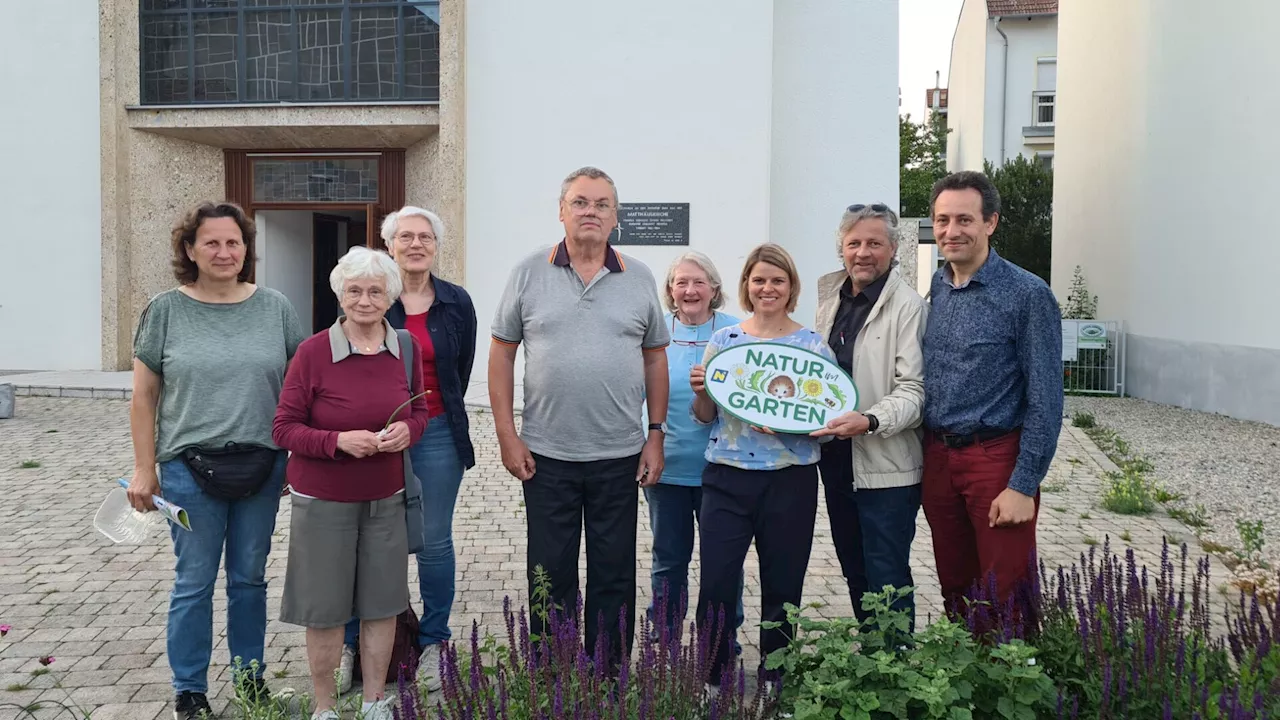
1021 7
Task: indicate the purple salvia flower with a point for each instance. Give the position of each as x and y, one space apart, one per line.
526 643
1106 684
477 661
557 702
513 640
624 669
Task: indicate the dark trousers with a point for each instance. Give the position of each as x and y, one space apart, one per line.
775 507
871 529
959 487
560 499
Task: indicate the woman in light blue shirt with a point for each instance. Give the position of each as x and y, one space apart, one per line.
693 297
757 484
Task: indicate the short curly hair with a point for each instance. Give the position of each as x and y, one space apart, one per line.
184 237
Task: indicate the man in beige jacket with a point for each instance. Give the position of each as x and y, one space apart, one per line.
874 322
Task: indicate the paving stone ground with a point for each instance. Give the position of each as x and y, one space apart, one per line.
100 609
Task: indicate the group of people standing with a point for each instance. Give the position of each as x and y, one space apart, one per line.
364 426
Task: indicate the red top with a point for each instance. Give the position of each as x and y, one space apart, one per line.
417 326
322 397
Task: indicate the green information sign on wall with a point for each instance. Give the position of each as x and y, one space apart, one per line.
783 388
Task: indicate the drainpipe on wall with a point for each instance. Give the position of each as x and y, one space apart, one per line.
1004 88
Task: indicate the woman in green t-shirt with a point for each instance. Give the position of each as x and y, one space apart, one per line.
209 362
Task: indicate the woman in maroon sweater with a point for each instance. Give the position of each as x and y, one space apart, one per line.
348 546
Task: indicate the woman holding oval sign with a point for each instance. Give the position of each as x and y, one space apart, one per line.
763 386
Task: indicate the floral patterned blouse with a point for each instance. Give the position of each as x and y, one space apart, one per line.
733 442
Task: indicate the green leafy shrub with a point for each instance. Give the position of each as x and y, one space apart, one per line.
1129 493
878 669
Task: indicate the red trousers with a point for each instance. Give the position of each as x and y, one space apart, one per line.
959 486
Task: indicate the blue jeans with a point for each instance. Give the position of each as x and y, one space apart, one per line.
872 531
672 512
245 528
436 463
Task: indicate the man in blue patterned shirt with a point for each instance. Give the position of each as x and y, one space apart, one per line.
993 396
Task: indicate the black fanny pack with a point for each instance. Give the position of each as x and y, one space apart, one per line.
233 472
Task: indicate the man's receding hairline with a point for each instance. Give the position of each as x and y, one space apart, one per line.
589 178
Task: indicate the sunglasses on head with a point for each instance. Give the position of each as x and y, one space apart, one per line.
877 207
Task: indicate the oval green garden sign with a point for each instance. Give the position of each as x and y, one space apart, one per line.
780 387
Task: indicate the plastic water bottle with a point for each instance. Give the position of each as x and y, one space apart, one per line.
121 523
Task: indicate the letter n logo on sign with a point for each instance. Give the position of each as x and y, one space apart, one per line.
719 376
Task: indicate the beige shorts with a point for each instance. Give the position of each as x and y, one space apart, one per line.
345 560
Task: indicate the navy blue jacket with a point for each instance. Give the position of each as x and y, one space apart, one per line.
451 323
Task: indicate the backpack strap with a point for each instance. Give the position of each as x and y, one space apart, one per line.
412 486
406 354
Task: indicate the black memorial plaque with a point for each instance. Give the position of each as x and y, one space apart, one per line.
653 224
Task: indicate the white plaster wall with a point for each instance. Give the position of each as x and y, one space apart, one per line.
285 250
992 106
1229 60
1100 156
835 126
1139 169
50 192
677 102
967 89
1166 203
1029 38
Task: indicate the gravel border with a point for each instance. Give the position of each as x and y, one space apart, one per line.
1230 466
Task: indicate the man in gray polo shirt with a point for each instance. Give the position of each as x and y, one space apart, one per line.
594 341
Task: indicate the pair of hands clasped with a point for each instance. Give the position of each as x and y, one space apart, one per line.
850 424
363 443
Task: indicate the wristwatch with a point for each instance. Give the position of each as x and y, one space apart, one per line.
873 424
660 427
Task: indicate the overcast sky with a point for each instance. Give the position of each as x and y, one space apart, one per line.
925 28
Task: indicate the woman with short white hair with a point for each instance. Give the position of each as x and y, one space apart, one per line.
693 296
347 412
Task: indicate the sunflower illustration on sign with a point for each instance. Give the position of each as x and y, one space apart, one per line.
781 387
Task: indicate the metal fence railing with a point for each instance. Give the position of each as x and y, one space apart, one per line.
1093 357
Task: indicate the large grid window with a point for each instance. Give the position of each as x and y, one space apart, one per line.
280 51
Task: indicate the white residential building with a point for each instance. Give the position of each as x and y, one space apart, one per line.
1003 83
1165 189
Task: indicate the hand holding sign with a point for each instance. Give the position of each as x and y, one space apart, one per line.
777 388
850 424
698 379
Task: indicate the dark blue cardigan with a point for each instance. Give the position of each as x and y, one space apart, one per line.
452 326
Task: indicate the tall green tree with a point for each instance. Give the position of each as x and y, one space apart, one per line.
1024 234
922 149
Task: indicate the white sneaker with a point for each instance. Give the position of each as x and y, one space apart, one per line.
381 710
346 668
326 715
429 668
